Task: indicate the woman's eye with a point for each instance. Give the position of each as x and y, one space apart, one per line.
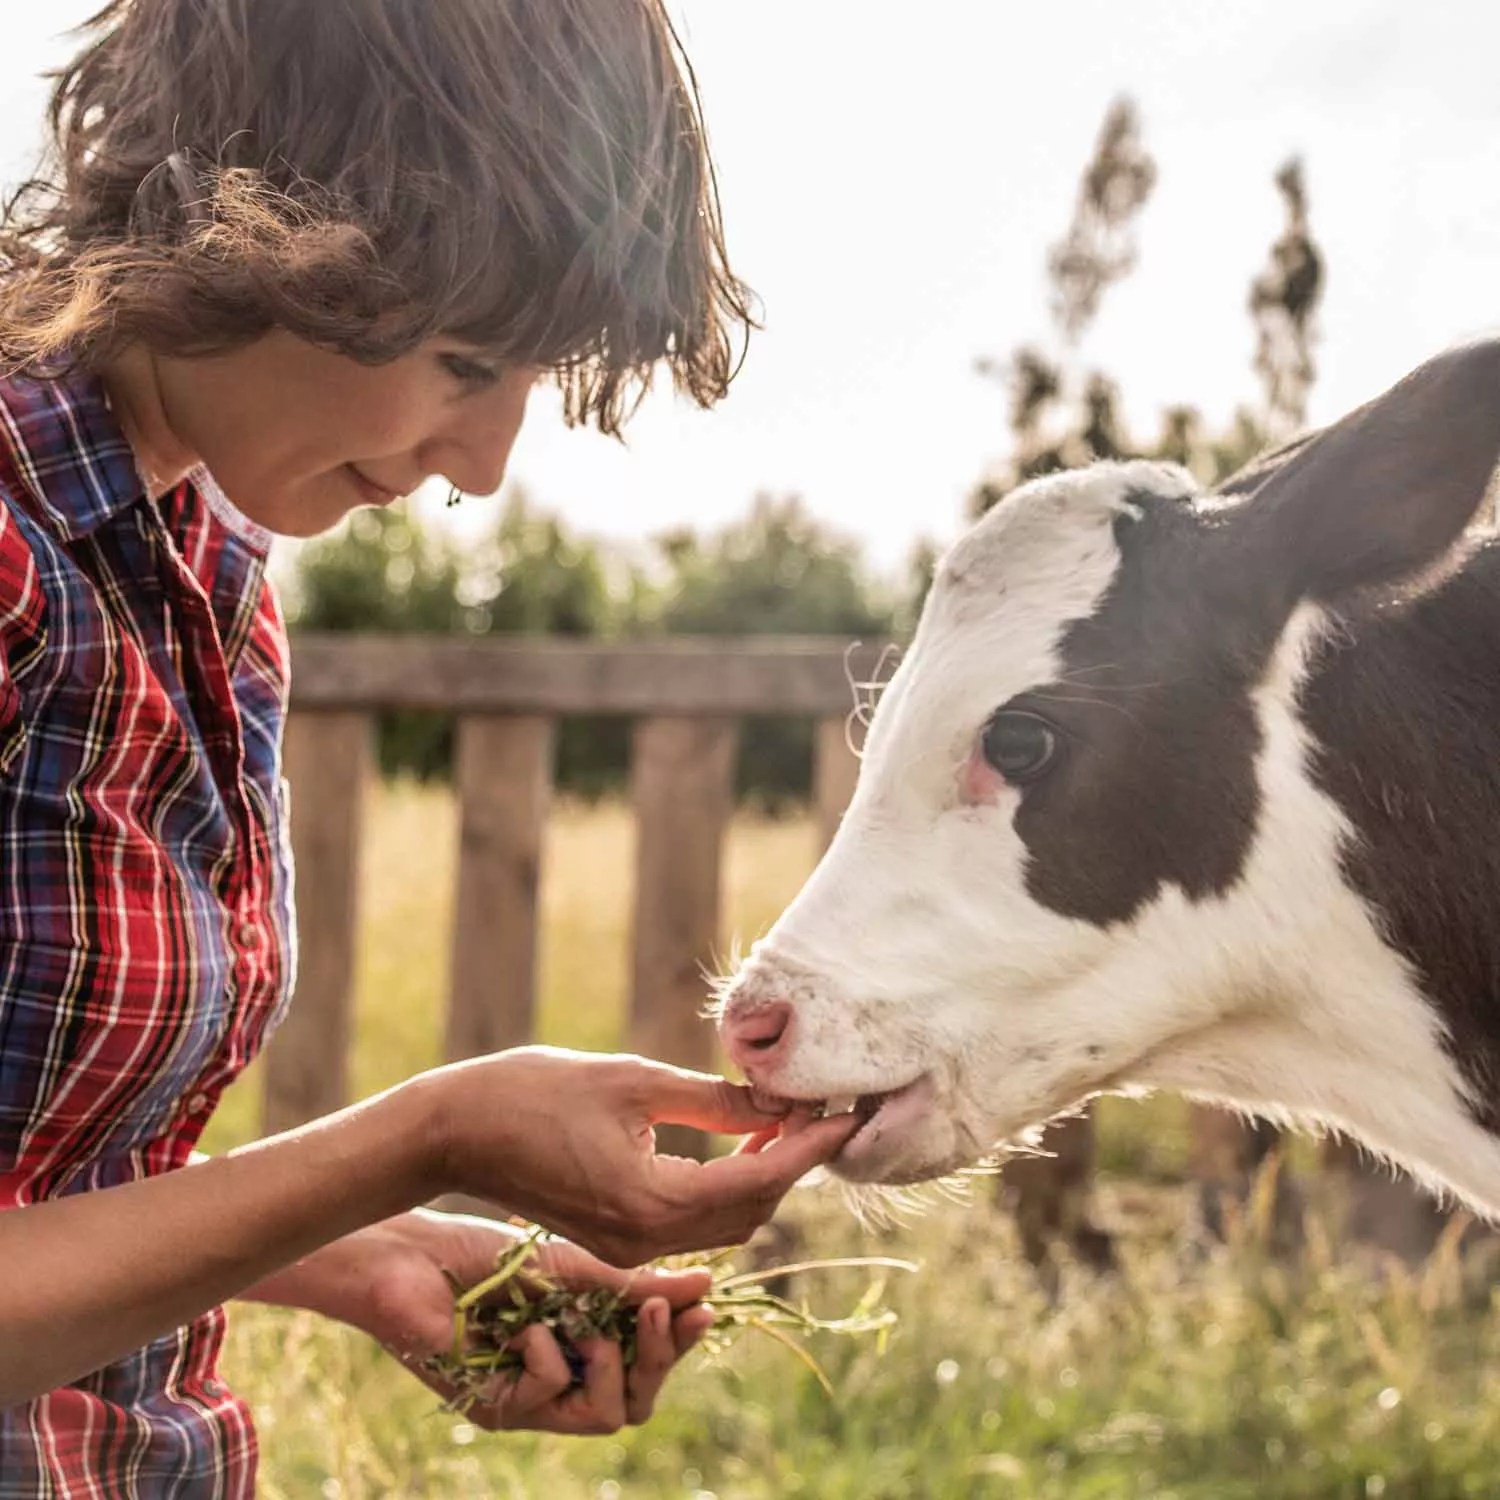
467 371
1020 746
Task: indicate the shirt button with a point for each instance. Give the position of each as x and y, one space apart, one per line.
249 934
198 1104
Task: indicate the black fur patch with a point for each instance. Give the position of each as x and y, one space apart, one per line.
1406 712
1155 784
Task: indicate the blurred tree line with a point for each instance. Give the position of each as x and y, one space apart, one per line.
779 570
776 571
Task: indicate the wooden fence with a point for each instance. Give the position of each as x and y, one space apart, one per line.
685 699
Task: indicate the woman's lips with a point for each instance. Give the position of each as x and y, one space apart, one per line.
375 494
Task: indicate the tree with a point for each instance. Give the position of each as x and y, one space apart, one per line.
778 571
532 576
380 571
1283 301
383 572
1061 415
921 568
1099 247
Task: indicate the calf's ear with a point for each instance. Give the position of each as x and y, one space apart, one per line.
1384 493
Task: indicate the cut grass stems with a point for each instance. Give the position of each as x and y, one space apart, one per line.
488 1316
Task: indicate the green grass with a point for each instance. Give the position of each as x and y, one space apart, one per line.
1211 1377
1197 1373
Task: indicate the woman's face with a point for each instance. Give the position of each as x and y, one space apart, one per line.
297 436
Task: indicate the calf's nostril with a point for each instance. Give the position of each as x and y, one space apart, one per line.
762 1029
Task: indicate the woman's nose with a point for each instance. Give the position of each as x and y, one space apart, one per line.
474 448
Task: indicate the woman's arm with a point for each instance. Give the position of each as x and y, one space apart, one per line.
563 1138
88 1279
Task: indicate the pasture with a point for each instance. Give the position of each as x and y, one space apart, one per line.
1199 1371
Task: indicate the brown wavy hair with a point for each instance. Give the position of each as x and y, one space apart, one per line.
529 175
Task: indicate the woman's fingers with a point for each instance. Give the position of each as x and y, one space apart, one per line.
569 1266
599 1408
543 1380
706 1102
678 1288
798 1120
689 1327
694 1206
546 1396
735 1194
655 1354
661 1340
777 1165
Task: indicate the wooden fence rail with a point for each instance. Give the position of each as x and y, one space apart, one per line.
686 698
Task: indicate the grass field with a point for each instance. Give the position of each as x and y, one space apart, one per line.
1199 1371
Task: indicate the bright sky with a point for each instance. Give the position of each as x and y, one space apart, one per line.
892 176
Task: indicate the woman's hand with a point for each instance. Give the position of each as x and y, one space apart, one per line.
391 1281
566 1139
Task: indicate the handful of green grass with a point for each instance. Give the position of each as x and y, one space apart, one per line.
489 1315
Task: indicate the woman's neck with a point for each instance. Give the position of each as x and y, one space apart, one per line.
134 391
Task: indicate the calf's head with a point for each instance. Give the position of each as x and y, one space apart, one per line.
1085 852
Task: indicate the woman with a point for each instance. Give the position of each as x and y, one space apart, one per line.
289 259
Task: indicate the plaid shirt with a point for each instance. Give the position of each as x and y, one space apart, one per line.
146 945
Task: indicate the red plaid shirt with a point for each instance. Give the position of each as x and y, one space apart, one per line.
146 945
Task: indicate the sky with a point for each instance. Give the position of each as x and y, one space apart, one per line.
892 176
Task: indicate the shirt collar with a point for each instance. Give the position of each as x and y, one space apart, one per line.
229 515
69 451
72 455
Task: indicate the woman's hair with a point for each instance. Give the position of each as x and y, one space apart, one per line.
528 175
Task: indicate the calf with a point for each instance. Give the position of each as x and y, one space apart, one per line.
1182 791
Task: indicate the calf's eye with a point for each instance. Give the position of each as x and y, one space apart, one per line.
1020 746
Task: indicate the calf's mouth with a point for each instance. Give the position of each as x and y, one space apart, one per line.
878 1113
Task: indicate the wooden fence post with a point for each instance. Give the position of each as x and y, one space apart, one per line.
504 784
682 779
1051 1198
327 761
1372 1206
835 772
1224 1154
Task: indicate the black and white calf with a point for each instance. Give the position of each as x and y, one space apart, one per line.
1178 791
